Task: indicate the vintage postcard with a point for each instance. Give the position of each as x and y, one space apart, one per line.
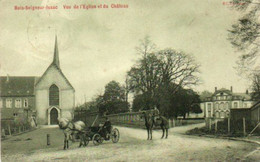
130 80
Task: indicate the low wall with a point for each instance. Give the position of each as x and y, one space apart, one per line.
129 119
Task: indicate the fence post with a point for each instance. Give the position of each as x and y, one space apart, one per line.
228 125
48 139
3 133
9 130
244 126
216 126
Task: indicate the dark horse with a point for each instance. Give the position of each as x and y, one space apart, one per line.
70 129
164 124
149 122
152 120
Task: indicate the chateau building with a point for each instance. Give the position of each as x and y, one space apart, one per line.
49 97
219 104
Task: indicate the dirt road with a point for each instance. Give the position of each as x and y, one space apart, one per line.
132 146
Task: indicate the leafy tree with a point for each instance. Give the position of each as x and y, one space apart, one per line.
113 100
196 108
205 94
185 101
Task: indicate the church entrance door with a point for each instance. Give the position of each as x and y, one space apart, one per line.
54 116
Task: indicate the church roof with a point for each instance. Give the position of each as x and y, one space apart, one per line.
11 86
56 60
59 70
55 63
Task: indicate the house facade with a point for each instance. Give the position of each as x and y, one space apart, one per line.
17 96
223 100
50 96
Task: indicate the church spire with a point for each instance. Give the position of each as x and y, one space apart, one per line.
56 60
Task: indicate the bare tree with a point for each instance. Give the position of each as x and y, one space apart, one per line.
158 73
244 35
145 47
178 68
255 86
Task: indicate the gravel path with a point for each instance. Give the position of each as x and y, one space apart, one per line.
132 146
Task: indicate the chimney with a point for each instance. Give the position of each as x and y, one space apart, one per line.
216 89
231 89
247 91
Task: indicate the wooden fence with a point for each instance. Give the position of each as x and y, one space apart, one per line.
230 126
12 127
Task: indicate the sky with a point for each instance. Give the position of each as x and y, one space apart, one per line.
98 45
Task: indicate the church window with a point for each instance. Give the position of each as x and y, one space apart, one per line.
8 103
54 95
18 103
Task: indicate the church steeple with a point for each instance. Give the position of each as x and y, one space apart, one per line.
56 60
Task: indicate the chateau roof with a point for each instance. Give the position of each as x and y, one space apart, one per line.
11 86
242 96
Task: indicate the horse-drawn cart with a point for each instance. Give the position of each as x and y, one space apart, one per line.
98 134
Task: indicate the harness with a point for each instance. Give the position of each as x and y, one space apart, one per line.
67 126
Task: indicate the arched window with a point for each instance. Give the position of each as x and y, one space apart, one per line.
226 105
235 105
217 114
221 106
54 95
222 114
216 106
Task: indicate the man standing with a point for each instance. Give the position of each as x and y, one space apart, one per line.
107 127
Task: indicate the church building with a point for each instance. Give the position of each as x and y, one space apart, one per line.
50 96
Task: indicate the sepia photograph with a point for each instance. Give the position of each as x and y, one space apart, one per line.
130 80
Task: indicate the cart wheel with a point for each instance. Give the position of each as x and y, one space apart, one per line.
96 139
115 135
101 140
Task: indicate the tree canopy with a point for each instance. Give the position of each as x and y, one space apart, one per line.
159 75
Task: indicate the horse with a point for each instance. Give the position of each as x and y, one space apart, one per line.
149 122
151 119
69 129
164 124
